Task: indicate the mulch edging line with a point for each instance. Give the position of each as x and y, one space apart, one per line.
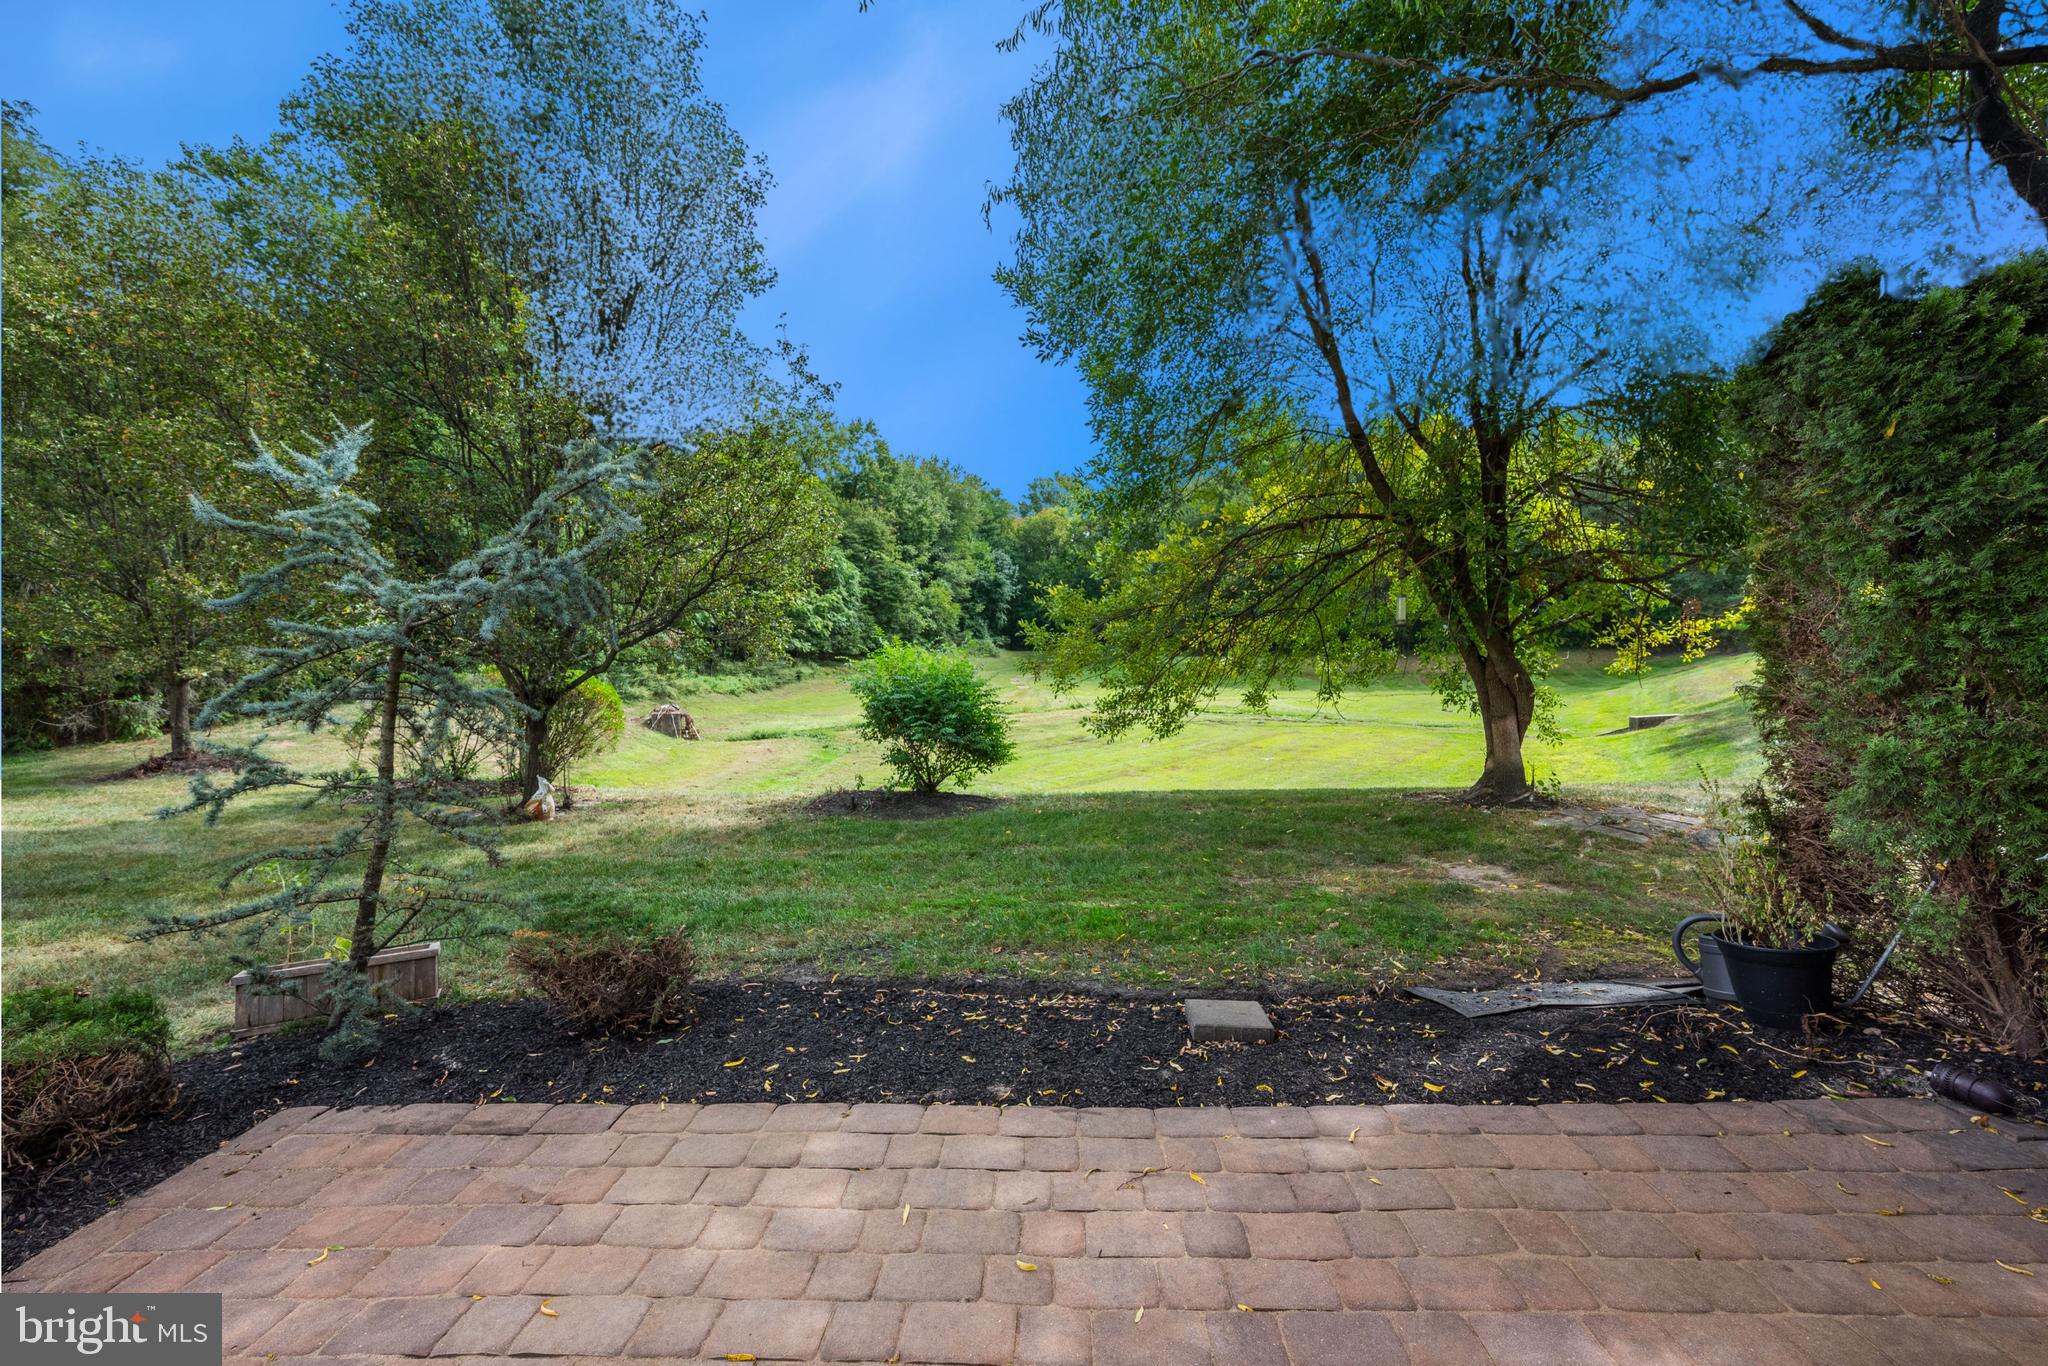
1011 1044
892 804
200 761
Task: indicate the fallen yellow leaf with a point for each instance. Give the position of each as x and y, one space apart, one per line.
2015 1270
323 1255
1244 1309
1352 1137
1139 1317
1431 1086
1027 1266
545 1308
1196 1177
1878 1141
735 1062
906 1215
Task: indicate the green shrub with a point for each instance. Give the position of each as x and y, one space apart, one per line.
78 1070
607 980
1759 905
939 720
588 722
1900 486
52 1022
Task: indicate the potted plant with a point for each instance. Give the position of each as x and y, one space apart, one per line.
1774 943
269 997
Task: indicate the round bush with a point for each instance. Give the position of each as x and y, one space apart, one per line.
588 722
939 720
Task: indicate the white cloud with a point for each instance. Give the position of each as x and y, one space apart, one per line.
857 139
111 52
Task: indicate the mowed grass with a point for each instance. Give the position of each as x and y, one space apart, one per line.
1248 850
800 739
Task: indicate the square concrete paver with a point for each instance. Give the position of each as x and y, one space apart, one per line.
1808 1232
1227 1021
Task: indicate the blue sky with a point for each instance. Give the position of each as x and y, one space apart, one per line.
881 129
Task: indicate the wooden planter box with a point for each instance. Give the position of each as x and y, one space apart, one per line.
410 970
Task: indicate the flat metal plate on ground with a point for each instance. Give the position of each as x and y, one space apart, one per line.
1536 995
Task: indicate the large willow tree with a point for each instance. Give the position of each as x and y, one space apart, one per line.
509 229
1332 365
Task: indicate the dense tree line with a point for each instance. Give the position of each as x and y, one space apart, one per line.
929 554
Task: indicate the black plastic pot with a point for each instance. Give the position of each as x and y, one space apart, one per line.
1780 986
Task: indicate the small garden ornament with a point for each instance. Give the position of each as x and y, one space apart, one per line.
541 805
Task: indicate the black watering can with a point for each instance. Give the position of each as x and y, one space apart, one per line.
1707 965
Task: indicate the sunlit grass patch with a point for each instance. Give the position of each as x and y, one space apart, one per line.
1248 852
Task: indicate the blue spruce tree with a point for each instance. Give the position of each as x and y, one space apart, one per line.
402 650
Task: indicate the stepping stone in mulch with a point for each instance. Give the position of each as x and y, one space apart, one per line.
1228 1021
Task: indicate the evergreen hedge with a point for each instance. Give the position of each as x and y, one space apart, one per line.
1900 486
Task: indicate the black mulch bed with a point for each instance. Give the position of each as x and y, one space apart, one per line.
891 805
788 1041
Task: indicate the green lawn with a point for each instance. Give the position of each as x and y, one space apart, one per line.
799 739
1248 849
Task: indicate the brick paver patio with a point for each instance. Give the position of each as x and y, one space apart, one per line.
1864 1232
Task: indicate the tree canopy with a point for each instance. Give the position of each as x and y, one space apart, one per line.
1326 365
138 362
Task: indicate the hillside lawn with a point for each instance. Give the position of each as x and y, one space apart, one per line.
1270 851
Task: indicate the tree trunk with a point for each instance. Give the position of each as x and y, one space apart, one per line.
1507 704
178 714
2013 147
533 744
369 899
